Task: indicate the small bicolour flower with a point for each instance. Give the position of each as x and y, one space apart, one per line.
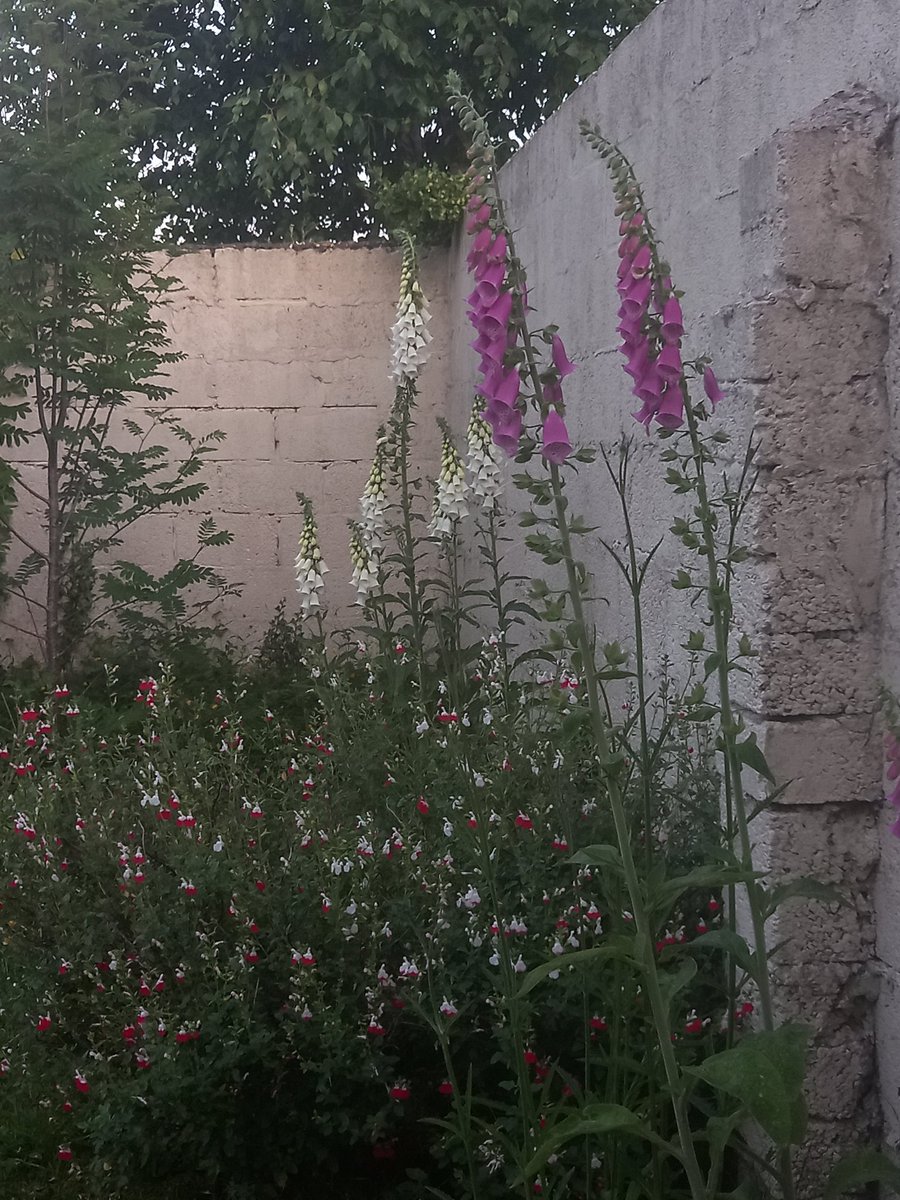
450 504
483 460
409 333
309 566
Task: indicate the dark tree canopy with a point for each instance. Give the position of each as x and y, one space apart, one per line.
273 115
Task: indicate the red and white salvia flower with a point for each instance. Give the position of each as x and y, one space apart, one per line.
64 1153
81 1083
400 1090
448 1009
43 1023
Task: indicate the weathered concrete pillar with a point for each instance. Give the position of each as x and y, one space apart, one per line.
813 218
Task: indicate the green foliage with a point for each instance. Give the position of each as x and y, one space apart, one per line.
80 334
290 107
428 202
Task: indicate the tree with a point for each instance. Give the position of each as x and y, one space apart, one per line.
79 334
275 118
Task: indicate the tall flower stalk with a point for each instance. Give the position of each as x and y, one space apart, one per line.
556 448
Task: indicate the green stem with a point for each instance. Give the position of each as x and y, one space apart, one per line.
646 955
720 610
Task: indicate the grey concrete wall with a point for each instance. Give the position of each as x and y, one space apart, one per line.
780 218
287 351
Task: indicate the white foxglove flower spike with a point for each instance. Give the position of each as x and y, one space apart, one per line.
409 333
450 504
309 567
483 459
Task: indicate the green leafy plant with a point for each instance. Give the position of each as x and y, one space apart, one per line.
81 337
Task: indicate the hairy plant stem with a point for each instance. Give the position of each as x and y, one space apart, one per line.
646 955
720 610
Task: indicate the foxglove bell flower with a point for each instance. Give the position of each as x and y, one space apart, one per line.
409 333
555 444
450 504
309 566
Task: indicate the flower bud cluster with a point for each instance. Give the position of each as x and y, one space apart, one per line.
450 504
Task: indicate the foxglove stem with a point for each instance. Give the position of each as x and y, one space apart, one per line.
646 954
720 606
408 548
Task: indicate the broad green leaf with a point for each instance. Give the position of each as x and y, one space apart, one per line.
804 889
595 1120
751 756
731 943
601 855
614 948
859 1168
765 1073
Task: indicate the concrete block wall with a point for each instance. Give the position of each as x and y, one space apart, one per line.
761 132
287 351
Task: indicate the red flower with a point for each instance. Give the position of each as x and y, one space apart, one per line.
445 1088
422 806
43 1023
81 1083
524 822
260 885
64 1154
400 1091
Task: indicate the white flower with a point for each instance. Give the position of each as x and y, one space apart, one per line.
309 567
409 333
483 460
450 503
373 502
365 564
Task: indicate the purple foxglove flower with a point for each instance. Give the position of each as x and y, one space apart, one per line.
495 319
499 249
629 246
711 387
646 414
555 447
482 344
651 384
632 337
672 322
670 412
489 285
553 393
636 300
474 202
495 349
668 364
641 263
478 218
560 358
638 361
480 245
503 387
508 432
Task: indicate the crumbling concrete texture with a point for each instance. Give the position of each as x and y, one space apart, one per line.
287 351
768 169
